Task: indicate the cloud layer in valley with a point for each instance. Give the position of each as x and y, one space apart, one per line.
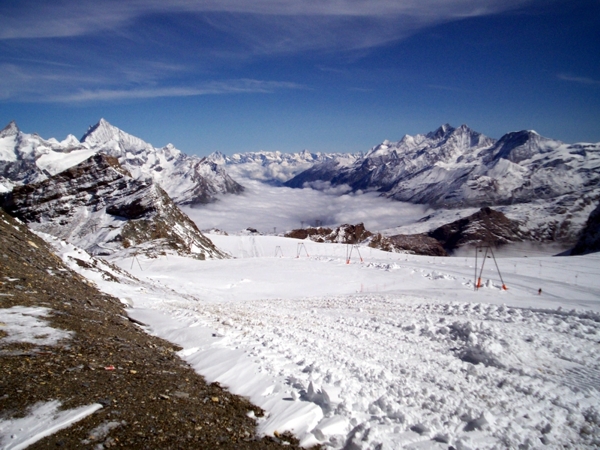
265 207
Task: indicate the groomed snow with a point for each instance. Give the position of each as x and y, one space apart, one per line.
397 351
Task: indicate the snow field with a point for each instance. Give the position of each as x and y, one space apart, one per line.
418 359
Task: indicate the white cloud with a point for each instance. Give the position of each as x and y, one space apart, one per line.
264 207
209 88
266 25
580 80
59 85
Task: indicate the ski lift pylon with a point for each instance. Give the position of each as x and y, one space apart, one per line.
488 249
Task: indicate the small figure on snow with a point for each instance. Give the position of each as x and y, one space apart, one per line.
540 291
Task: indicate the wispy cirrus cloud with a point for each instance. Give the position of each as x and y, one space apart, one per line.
209 88
577 79
268 25
58 84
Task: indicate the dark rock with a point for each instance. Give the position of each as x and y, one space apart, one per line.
589 241
485 227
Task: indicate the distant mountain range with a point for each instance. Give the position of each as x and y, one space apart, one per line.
276 167
548 186
458 167
27 158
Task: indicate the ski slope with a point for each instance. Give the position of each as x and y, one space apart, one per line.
396 351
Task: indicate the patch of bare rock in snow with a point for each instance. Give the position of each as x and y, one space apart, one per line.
396 373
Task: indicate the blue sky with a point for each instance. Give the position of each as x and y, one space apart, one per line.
322 75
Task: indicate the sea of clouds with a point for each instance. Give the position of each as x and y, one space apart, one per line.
265 208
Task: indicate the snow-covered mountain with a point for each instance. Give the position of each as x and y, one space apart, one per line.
27 158
460 168
97 205
277 167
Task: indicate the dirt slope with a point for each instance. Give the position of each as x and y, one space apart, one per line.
152 399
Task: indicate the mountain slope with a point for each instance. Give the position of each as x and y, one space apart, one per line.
45 298
27 158
589 241
98 206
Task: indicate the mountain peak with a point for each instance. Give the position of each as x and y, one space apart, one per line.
102 131
440 132
518 146
9 130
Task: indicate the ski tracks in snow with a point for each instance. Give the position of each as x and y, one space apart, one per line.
402 372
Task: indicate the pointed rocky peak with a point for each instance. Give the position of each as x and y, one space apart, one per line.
10 130
101 132
464 128
217 157
110 139
440 132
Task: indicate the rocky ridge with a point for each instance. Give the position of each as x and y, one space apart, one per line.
98 206
485 227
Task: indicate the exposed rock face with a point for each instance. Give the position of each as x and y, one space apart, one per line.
344 234
485 227
27 158
589 241
98 206
417 244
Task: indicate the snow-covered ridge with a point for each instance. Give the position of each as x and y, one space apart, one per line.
27 158
277 167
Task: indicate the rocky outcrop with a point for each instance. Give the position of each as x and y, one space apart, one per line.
416 244
589 241
98 206
485 227
344 234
